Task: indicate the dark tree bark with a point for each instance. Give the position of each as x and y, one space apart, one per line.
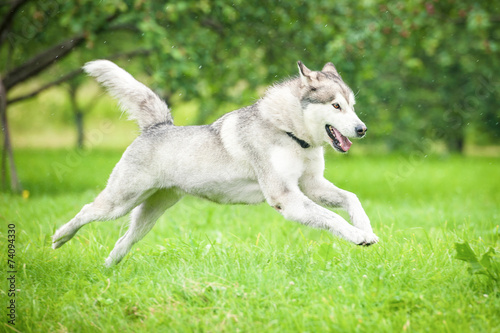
456 142
62 79
78 115
7 20
7 153
41 61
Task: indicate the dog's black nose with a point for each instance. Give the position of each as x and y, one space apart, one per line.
361 130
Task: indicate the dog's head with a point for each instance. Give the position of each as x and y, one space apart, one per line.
328 106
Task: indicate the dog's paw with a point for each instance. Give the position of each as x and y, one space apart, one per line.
57 242
61 236
112 260
367 239
109 262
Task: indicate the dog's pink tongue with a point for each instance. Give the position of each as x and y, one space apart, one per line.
345 143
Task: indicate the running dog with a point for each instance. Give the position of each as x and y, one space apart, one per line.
270 151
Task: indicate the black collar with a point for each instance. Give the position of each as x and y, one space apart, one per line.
302 143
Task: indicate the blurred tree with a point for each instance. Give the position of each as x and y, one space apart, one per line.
423 68
431 65
43 34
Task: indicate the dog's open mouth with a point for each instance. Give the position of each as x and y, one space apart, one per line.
339 142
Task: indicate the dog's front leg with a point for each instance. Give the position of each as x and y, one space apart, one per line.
295 206
325 193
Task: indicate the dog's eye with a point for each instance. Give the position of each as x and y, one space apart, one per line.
336 105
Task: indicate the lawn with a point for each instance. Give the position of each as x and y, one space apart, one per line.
214 268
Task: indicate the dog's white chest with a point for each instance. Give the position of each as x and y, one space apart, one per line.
230 191
286 163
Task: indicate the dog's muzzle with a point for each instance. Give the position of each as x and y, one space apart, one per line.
361 130
338 141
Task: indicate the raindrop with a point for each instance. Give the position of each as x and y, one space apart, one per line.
200 67
104 42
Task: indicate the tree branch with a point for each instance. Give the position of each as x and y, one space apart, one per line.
72 74
43 60
214 25
7 20
62 79
124 26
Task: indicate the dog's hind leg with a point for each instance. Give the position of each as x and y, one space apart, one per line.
110 204
143 218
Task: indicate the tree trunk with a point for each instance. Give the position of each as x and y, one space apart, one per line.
79 129
78 114
7 153
456 141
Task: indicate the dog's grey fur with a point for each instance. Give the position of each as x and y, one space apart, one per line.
271 150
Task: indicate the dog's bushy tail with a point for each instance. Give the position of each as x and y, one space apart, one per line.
140 102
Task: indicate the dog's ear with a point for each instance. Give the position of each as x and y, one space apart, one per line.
306 75
330 68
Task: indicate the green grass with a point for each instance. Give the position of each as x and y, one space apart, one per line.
214 268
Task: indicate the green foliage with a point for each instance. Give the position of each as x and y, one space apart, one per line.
488 265
421 69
